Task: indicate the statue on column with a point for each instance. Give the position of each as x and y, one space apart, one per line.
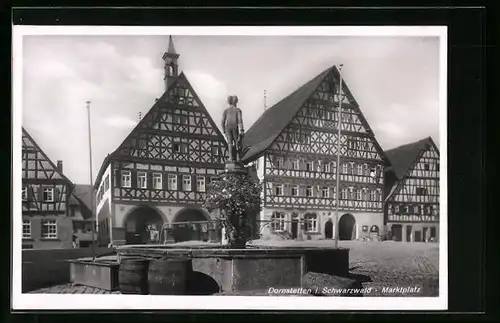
232 125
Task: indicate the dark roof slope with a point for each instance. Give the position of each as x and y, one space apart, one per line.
403 157
272 122
83 196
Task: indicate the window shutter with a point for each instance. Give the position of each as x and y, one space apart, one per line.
56 194
164 181
149 179
194 183
40 193
29 193
180 183
118 177
133 178
286 190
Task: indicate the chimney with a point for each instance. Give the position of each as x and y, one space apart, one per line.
60 166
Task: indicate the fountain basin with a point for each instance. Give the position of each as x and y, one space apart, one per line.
98 273
256 268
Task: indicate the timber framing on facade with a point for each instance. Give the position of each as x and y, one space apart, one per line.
164 164
294 146
45 196
412 191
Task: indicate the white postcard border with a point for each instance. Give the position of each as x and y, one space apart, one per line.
22 301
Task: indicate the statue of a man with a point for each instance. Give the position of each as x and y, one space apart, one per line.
232 125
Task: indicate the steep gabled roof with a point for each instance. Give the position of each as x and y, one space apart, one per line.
270 124
403 157
37 147
275 119
149 115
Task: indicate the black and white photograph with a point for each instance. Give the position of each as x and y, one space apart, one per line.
237 167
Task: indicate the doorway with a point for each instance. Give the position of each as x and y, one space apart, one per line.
397 232
408 233
346 227
329 229
190 224
143 225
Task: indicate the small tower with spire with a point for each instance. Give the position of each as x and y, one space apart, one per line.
171 66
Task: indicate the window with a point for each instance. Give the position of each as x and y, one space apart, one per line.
278 189
327 167
215 151
426 166
309 191
295 190
278 221
325 192
344 168
421 191
142 180
25 193
358 194
397 210
176 147
364 194
406 209
365 169
48 194
311 222
26 229
49 229
373 196
126 179
279 162
200 184
343 194
360 169
416 209
157 181
437 167
186 183
310 166
172 182
180 119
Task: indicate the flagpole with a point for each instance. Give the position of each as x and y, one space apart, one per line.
91 184
337 175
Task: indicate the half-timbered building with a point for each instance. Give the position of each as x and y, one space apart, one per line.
412 190
80 212
45 195
294 148
160 172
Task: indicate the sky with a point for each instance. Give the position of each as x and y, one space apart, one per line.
395 80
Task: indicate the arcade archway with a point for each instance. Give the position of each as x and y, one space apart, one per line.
190 224
346 227
143 225
329 229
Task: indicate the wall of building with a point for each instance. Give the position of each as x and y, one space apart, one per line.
168 213
362 219
45 268
417 227
64 233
